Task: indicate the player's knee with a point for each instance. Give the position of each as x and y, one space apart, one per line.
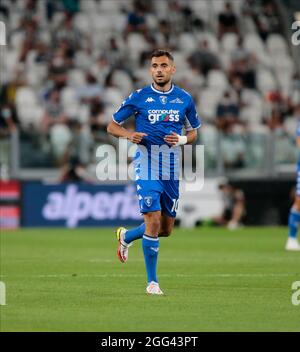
154 226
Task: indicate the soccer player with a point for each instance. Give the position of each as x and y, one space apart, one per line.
161 111
292 243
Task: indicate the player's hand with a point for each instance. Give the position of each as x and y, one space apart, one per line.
136 137
172 138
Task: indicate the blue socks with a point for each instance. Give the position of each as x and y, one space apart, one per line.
134 234
294 222
150 249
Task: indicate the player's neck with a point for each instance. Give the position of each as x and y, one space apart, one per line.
164 88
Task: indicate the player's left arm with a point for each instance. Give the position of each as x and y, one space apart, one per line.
192 123
176 139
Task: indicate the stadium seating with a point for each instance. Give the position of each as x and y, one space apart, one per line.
115 54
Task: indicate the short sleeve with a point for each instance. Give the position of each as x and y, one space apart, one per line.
192 120
126 110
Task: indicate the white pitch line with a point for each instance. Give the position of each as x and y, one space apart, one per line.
161 275
250 275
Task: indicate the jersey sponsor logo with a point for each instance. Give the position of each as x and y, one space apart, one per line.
148 201
163 116
176 101
149 100
163 99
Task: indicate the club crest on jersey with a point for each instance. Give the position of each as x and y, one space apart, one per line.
148 201
163 99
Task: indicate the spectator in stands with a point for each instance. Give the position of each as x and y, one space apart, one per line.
30 9
8 119
66 32
52 6
98 122
54 113
228 21
267 20
4 8
42 55
190 20
292 120
297 112
284 149
91 90
275 122
68 49
81 144
238 89
234 207
114 54
9 90
175 16
68 52
244 68
31 36
294 97
165 35
277 101
58 68
74 171
203 59
101 68
136 21
227 112
71 6
242 53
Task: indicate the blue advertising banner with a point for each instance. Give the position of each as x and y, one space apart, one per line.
79 204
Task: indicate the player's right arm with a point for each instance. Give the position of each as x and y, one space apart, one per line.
116 130
298 141
127 109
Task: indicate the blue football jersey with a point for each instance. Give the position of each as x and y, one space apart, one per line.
158 114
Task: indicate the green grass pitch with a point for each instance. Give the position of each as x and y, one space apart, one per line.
213 279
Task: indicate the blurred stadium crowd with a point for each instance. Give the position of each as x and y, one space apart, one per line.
68 65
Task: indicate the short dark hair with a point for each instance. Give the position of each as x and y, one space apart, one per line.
160 52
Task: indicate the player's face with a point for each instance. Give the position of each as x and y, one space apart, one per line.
162 69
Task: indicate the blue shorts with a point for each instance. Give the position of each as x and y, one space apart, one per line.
157 195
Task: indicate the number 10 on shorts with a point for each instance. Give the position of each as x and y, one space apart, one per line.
175 205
